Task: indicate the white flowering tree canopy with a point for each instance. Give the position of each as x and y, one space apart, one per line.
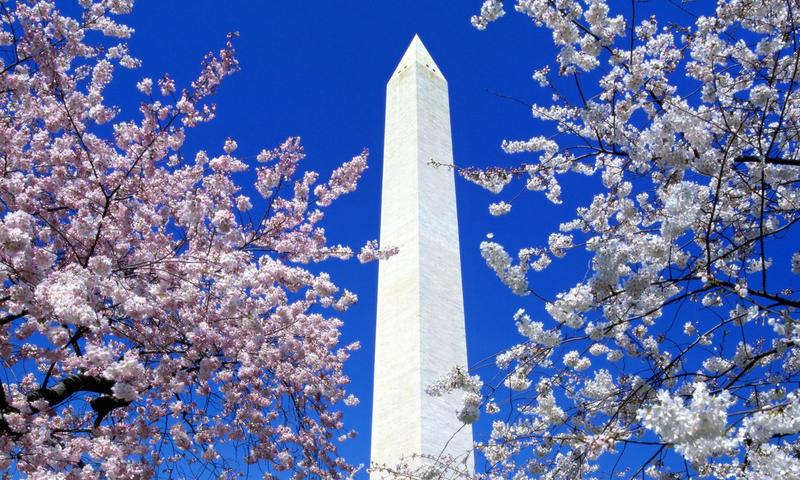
677 355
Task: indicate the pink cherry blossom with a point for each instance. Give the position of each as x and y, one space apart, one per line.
145 327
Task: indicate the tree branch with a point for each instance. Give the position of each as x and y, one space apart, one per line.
768 160
70 385
104 405
10 318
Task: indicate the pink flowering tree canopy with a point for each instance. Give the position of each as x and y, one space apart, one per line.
677 355
154 320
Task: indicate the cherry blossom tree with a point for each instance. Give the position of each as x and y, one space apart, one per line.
677 356
156 320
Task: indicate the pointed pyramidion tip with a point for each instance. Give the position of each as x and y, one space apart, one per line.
417 55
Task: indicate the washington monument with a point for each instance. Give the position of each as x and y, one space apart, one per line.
420 321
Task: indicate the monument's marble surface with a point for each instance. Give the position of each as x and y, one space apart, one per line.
420 321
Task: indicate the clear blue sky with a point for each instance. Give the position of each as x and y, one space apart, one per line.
318 69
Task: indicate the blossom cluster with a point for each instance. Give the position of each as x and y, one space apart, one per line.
154 315
681 343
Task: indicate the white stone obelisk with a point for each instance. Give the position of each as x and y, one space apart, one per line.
420 322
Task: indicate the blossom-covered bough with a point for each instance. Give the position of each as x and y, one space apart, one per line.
154 320
678 356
